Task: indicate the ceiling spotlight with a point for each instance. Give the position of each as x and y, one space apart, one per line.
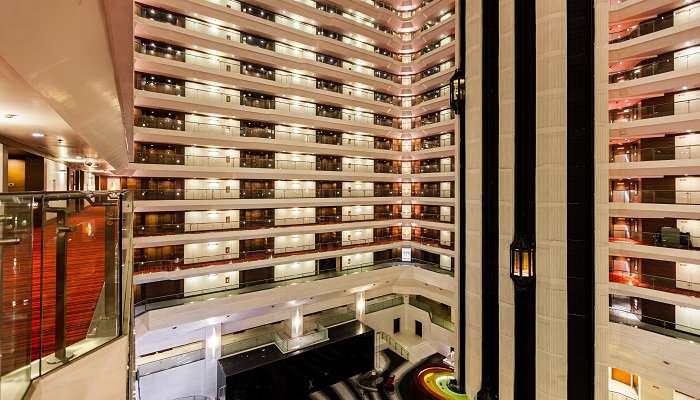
38 134
78 157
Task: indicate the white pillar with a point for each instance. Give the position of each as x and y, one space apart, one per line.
297 323
212 348
360 306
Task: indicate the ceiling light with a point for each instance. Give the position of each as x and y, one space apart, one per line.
37 134
78 157
9 116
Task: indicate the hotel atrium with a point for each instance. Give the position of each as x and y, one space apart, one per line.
350 199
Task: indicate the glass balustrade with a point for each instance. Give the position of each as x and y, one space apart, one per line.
159 302
655 196
679 17
53 246
656 325
639 112
675 63
178 263
654 282
673 238
232 35
657 153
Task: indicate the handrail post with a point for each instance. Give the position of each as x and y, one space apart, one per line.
62 231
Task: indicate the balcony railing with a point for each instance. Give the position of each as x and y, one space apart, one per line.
656 325
654 282
159 302
677 63
428 169
655 196
280 133
674 239
436 319
431 144
232 98
278 47
246 224
223 194
660 153
679 18
639 112
55 245
178 263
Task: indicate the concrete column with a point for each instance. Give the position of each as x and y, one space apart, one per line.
360 306
212 348
551 200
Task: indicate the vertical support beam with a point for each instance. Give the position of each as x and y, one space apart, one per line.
111 262
360 306
296 323
61 284
489 207
212 348
524 196
580 256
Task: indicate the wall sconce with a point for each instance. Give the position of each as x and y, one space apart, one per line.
522 258
457 91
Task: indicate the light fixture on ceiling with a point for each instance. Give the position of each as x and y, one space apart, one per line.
38 134
9 116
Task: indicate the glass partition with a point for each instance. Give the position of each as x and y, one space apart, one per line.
66 280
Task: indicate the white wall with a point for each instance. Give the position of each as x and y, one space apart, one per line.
291 243
406 167
295 269
358 189
291 189
686 102
212 157
295 161
173 383
212 219
445 238
444 189
687 146
212 251
56 176
688 319
196 189
211 281
686 15
688 276
445 262
445 213
114 184
212 125
688 190
350 139
405 189
358 164
212 94
358 213
691 226
356 260
296 215
357 236
295 134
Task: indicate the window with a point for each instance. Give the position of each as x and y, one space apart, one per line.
397 325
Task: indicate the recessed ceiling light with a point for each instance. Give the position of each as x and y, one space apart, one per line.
38 134
78 157
9 116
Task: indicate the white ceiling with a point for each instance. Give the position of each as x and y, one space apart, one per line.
58 75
